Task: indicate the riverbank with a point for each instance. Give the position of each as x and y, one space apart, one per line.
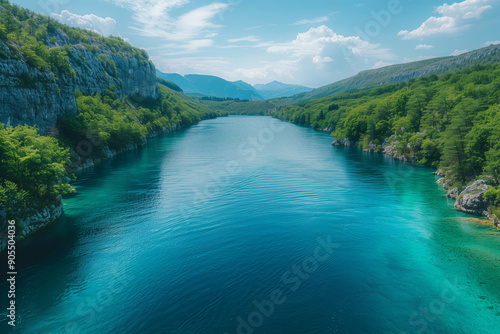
469 199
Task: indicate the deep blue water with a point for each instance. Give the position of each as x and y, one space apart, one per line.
249 225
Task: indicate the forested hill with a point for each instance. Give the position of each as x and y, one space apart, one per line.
399 73
43 63
451 122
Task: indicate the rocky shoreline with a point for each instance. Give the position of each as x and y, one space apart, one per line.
469 200
41 218
81 164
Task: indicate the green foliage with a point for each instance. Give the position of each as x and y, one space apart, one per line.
31 168
3 32
493 195
238 107
169 84
32 58
106 121
110 65
59 60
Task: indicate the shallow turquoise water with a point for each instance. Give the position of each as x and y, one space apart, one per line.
204 232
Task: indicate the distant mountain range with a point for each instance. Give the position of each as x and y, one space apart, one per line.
399 73
207 85
277 89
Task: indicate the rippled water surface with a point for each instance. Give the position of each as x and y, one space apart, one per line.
248 225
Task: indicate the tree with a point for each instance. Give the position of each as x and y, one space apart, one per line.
454 156
3 32
32 25
8 19
492 165
31 167
321 116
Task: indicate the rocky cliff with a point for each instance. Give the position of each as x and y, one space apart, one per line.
32 96
488 55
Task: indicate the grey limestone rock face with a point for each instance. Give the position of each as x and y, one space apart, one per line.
30 96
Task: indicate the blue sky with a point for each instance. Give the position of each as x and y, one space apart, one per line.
312 43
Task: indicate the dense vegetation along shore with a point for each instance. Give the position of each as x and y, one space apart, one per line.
92 97
450 122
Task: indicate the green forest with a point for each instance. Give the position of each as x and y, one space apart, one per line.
238 107
450 121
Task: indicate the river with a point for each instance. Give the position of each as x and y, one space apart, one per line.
253 225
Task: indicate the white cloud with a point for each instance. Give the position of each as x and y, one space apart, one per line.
192 23
453 19
322 39
424 47
433 26
488 43
244 39
268 71
154 19
317 55
104 26
458 52
190 65
320 61
150 14
313 21
196 44
468 9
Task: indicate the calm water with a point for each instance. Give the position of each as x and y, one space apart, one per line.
208 231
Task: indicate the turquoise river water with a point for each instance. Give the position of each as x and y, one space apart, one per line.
252 225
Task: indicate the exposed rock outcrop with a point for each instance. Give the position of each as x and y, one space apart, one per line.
453 193
471 199
344 142
34 97
390 149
